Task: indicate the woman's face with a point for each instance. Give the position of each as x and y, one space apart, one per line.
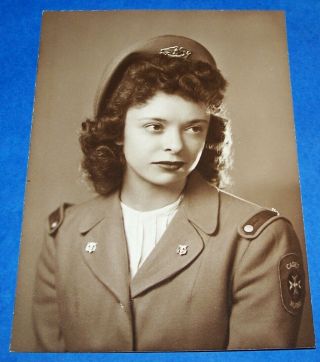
164 139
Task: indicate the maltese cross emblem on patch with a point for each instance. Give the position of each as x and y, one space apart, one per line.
292 283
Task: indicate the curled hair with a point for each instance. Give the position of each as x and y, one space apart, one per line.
141 78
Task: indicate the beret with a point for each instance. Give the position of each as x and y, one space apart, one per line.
169 45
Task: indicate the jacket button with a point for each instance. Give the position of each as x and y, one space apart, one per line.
121 305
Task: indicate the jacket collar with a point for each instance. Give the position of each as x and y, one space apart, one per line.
200 205
198 209
103 225
96 211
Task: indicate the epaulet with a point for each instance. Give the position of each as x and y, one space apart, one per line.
253 226
56 218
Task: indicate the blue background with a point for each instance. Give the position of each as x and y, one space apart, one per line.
19 41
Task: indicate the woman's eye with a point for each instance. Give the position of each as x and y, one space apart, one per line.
195 129
154 127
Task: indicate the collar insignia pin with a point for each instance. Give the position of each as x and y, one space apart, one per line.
91 247
182 249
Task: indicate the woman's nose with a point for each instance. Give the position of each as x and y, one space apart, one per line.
173 141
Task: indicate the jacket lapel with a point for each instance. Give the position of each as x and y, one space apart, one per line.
103 227
164 261
199 210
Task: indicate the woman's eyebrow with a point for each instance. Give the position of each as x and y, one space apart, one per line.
153 119
196 121
163 120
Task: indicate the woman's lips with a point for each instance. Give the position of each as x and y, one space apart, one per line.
169 165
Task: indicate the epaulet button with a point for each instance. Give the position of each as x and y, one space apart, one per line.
56 218
253 226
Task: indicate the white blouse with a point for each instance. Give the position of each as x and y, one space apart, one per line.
144 229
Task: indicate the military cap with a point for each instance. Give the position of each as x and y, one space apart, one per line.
169 45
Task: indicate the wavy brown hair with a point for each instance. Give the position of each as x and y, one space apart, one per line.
135 82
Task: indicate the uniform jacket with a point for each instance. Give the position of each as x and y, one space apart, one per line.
226 274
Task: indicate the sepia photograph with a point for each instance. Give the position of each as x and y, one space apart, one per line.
162 207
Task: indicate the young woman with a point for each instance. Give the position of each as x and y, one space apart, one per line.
163 259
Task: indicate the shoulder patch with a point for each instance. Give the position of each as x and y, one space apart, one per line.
292 283
56 217
252 227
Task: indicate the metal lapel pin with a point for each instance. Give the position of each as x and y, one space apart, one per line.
182 249
91 247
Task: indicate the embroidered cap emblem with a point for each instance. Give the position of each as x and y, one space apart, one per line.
91 247
176 52
292 283
182 249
